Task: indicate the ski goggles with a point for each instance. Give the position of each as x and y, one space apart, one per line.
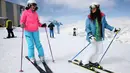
94 6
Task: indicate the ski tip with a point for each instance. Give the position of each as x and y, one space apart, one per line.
69 61
21 71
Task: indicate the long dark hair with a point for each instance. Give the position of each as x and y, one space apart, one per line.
97 15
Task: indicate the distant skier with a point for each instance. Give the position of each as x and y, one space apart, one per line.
58 25
9 27
95 29
30 22
51 27
74 31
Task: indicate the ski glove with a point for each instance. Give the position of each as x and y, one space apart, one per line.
116 30
92 38
22 26
43 25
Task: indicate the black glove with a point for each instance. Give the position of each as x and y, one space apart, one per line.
43 25
116 30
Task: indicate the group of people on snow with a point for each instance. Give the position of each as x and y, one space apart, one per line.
95 28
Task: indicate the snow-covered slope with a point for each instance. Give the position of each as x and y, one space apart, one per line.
64 47
123 36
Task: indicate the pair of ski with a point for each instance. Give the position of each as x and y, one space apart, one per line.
76 62
48 70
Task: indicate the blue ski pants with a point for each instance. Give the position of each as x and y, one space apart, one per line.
32 39
58 29
52 33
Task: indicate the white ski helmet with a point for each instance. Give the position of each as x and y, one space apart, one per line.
31 1
94 5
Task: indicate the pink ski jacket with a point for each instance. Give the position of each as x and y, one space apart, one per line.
30 20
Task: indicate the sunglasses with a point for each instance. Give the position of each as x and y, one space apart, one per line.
94 6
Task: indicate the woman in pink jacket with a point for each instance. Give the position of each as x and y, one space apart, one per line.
30 22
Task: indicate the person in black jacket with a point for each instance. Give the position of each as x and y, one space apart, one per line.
51 26
74 31
9 28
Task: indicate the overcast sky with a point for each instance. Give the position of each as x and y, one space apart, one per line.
72 11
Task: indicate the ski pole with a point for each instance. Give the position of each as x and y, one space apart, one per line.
79 53
108 46
49 45
21 70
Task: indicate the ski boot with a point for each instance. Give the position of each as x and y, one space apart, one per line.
8 37
88 66
33 60
42 59
96 65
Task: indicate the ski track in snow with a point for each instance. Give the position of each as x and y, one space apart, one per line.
64 47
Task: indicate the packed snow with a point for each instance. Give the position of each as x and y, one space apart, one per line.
64 47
